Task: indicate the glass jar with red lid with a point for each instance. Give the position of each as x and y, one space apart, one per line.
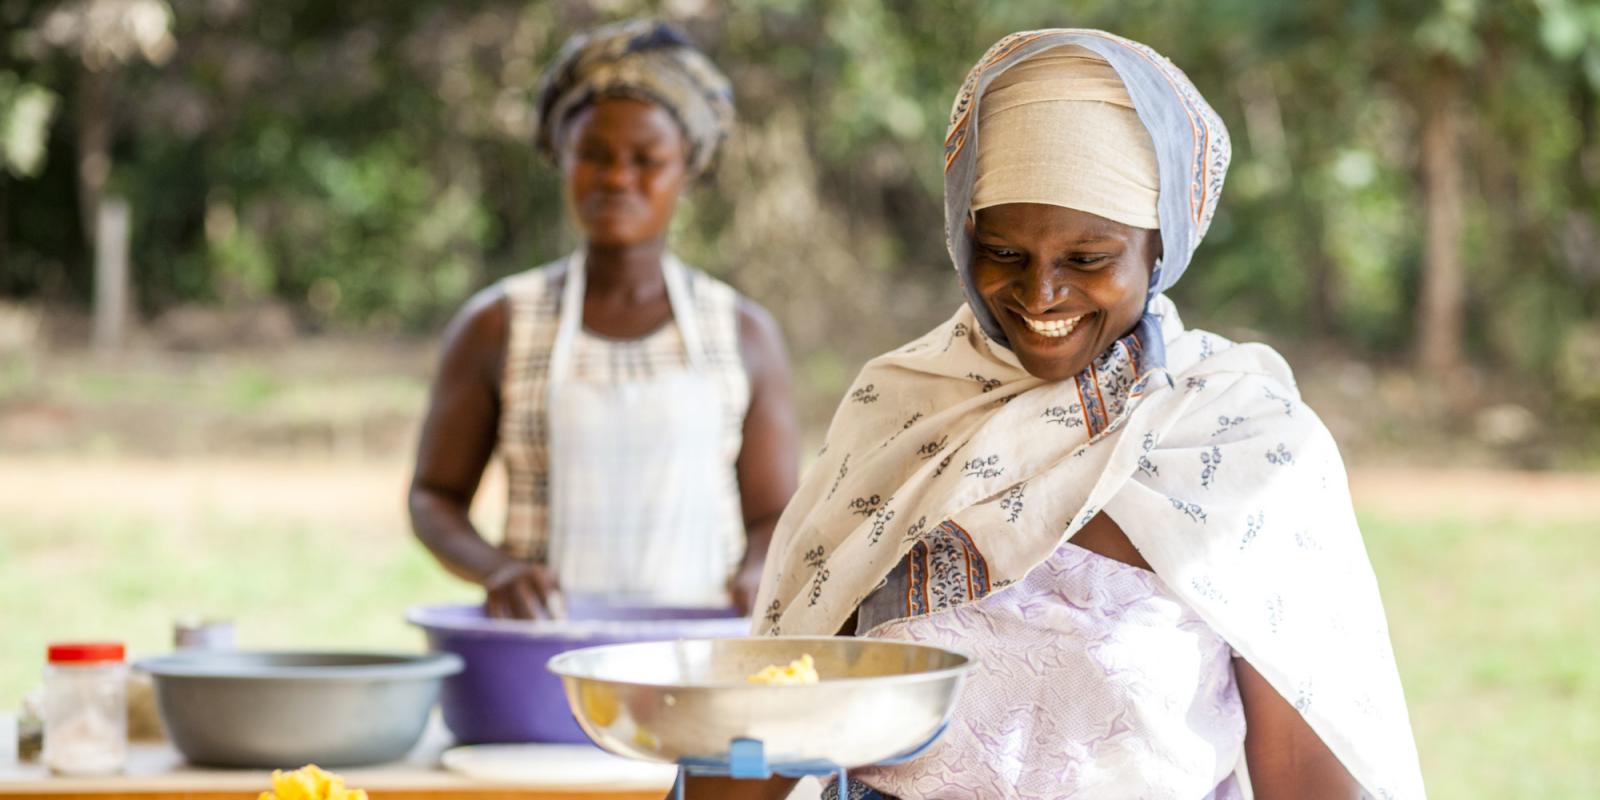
86 708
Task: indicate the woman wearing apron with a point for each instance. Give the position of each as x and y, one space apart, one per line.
641 407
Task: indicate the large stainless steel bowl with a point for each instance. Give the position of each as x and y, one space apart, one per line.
687 700
256 709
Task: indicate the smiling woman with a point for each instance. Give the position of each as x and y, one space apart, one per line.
1137 529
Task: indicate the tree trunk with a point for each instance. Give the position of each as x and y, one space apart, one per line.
94 147
1322 289
1441 303
112 277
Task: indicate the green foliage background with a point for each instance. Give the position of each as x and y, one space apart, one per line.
368 163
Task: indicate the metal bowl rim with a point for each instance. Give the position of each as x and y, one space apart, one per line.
966 665
406 666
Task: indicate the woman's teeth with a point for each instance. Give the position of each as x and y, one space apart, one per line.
1053 328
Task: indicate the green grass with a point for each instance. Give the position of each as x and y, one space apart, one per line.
285 583
221 388
1493 619
1495 626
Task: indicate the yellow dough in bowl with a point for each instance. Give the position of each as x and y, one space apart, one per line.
802 670
600 703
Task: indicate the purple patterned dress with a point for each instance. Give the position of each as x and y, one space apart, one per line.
1095 681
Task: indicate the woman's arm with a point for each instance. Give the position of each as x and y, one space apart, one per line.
769 459
458 438
1286 758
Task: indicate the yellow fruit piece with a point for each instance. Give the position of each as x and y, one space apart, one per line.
802 670
310 783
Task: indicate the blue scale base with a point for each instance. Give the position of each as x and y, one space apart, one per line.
747 760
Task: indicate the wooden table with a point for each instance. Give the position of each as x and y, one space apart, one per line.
158 771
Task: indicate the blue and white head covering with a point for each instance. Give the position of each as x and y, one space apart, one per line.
1191 145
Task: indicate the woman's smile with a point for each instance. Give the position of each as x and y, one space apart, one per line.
1051 338
1055 328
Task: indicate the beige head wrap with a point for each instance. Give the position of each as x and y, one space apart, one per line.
1060 129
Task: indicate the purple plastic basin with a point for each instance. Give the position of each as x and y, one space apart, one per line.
505 693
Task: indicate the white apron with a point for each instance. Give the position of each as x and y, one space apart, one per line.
633 514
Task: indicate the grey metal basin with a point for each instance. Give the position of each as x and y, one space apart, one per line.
285 710
687 700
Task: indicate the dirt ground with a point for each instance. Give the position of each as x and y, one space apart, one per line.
1404 493
369 495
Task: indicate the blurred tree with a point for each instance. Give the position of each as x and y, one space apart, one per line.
1410 175
103 35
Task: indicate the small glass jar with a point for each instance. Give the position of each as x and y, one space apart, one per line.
86 709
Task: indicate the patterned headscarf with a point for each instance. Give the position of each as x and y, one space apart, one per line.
1192 154
643 59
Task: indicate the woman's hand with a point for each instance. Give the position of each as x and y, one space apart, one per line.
520 590
459 435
